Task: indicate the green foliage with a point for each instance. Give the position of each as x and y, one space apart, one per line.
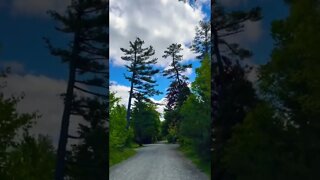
11 122
22 157
120 141
196 159
119 135
172 134
176 68
116 156
201 86
140 67
31 159
280 138
146 122
89 157
196 124
260 148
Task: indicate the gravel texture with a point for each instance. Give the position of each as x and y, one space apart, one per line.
157 162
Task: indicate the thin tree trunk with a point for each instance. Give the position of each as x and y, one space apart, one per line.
131 92
177 72
129 103
63 139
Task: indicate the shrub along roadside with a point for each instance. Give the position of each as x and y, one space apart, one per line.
120 141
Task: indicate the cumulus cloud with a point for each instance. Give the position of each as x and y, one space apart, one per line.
120 91
158 22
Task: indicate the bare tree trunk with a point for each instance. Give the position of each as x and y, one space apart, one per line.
63 139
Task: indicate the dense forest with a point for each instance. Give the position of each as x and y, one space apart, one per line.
270 132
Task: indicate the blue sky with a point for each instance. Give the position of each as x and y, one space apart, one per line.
24 23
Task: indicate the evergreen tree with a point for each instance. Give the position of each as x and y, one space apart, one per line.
178 89
86 56
176 69
89 158
142 72
201 43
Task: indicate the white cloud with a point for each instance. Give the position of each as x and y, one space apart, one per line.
120 91
188 72
160 107
158 22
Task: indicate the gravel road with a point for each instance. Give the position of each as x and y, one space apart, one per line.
157 162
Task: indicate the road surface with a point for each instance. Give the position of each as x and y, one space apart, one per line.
157 162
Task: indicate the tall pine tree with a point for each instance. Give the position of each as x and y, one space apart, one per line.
178 90
87 57
142 72
175 72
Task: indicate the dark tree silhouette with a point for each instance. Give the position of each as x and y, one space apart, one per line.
86 55
223 25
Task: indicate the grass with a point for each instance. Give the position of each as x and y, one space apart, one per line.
118 155
196 159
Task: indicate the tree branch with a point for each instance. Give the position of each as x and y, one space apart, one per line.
89 92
